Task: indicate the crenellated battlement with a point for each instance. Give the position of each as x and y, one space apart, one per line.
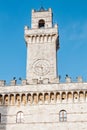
43 92
41 35
42 81
42 10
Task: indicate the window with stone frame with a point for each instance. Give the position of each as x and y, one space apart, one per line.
20 117
62 116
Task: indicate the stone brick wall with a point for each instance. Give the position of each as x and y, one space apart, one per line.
45 114
46 117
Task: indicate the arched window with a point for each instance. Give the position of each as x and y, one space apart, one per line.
41 23
20 117
63 116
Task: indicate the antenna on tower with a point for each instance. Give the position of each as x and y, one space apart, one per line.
41 3
42 8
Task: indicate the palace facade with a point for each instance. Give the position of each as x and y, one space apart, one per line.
41 101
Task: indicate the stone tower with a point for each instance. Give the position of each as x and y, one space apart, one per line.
42 44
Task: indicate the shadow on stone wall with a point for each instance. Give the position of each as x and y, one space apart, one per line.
3 118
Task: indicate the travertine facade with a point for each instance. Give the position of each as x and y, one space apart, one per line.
42 44
41 101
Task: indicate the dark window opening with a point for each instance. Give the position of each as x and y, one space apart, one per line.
41 24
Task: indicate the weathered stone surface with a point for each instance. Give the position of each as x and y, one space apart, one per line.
41 47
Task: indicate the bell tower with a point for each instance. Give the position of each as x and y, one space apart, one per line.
42 42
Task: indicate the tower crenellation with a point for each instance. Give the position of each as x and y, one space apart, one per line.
68 79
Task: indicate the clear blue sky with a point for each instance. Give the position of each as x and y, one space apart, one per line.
71 16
